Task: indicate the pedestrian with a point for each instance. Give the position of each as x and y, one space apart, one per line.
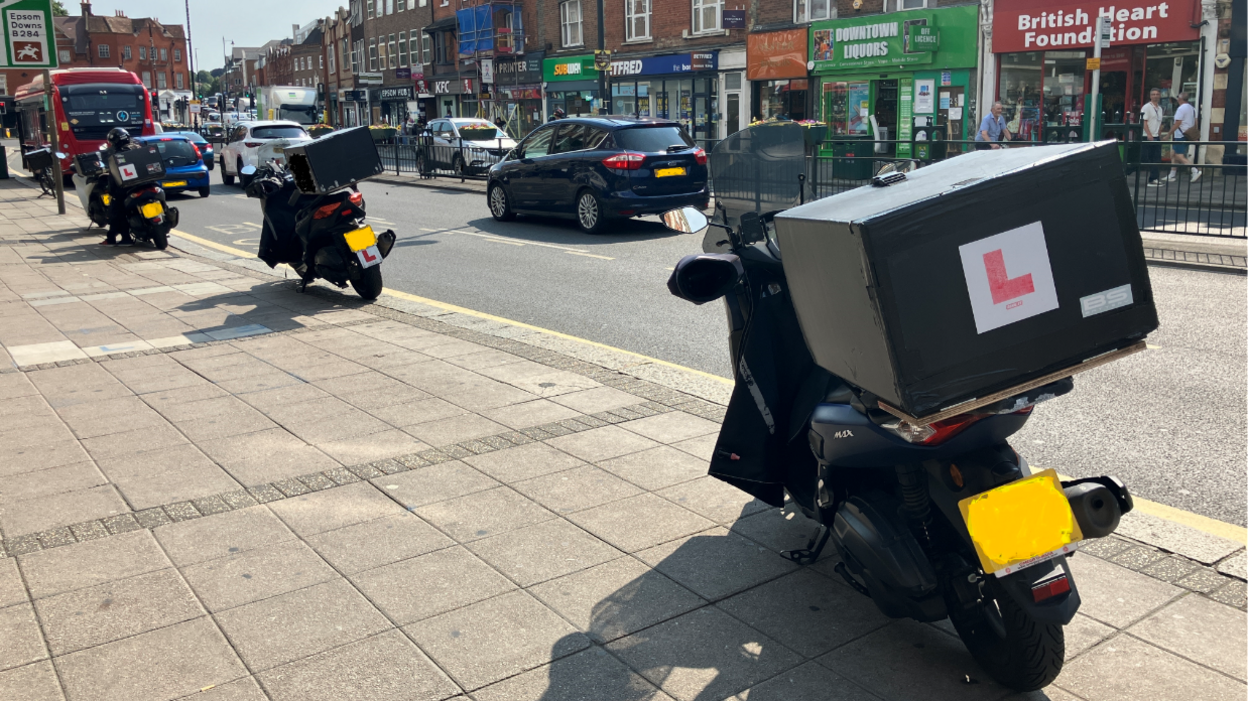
1184 130
1150 117
991 129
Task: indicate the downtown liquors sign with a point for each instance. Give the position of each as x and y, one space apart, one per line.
29 38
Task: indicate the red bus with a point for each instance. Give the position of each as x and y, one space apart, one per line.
88 103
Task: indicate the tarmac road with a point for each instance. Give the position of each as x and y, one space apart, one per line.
1170 422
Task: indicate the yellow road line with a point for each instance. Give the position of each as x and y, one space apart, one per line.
213 244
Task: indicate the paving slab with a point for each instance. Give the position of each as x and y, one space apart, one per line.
698 562
602 443
483 514
1115 595
512 465
656 468
1202 631
335 508
714 499
23 642
542 552
257 574
640 522
1129 668
809 682
82 565
12 590
435 483
34 682
590 674
576 489
192 542
382 541
418 588
61 509
671 427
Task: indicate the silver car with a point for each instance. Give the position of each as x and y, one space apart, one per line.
466 146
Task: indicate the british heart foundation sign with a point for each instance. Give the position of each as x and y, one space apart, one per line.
1008 277
1040 25
29 40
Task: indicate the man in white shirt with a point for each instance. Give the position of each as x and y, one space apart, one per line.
1150 118
1184 119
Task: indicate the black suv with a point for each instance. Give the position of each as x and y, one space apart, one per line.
596 169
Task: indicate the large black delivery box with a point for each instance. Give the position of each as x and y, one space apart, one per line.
972 276
334 161
137 166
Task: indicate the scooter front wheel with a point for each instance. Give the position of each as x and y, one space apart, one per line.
368 284
1017 650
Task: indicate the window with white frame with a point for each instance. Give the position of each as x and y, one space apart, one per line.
369 10
402 49
389 7
390 52
636 20
177 56
811 10
162 81
426 48
899 5
400 6
147 79
320 61
413 45
103 49
372 54
164 55
570 23
330 53
125 52
142 53
706 15
177 81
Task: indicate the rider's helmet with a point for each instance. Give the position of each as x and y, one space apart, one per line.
118 138
559 113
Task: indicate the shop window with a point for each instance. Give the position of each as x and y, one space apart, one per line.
1019 93
402 49
1063 89
391 53
372 54
103 49
570 23
811 10
125 53
846 106
706 15
637 19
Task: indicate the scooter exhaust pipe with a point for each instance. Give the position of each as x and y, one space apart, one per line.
1098 504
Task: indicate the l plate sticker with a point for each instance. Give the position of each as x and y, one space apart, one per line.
369 257
1008 277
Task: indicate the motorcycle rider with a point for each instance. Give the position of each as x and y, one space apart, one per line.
117 140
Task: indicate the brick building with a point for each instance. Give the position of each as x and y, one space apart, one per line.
339 81
387 52
308 59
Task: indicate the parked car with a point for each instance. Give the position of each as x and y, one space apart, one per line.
465 146
244 141
595 169
184 164
204 146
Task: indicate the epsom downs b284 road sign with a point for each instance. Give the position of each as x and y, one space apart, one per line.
29 40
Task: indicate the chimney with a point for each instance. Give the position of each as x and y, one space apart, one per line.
86 9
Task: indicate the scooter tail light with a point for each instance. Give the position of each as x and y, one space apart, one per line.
326 211
700 156
935 433
625 161
1049 588
356 198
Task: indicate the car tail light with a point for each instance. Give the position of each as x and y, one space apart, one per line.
935 433
197 153
356 198
625 161
1049 588
700 156
326 211
253 144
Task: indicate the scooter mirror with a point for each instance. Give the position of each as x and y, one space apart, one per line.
686 220
704 278
248 170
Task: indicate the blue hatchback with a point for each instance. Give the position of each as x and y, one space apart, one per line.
597 169
204 145
184 164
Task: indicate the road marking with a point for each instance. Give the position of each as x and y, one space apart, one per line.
247 242
588 255
509 243
212 244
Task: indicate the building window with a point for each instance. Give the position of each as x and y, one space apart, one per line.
389 7
372 54
402 48
443 46
164 55
177 81
125 52
899 5
177 55
426 48
811 10
142 53
390 52
147 79
103 49
570 23
320 61
413 45
370 8
636 19
706 14
357 57
64 54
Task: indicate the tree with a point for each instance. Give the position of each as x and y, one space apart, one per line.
217 72
58 10
203 76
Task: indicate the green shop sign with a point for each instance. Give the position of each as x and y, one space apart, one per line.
29 41
569 68
897 39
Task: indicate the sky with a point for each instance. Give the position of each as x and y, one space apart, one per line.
243 22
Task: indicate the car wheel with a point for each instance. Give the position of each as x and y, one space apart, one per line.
226 178
589 214
204 192
243 180
500 205
421 166
457 165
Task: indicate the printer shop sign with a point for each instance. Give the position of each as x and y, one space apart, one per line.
28 41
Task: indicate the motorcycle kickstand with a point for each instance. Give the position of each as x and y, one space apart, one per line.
813 549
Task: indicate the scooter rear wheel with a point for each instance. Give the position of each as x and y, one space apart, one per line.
160 241
1017 650
368 285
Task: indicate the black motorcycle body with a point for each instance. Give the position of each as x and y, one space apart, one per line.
886 494
149 214
320 236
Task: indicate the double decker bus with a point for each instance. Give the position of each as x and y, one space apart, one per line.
87 103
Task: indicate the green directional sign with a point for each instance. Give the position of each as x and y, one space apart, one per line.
29 39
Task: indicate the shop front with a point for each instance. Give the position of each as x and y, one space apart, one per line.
517 92
390 104
1042 53
571 85
680 87
903 76
452 97
776 69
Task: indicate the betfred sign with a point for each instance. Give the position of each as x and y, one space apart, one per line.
1008 277
1040 25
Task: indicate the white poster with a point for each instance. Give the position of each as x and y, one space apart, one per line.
487 71
924 96
1009 277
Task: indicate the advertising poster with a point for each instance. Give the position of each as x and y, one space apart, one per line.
925 96
905 116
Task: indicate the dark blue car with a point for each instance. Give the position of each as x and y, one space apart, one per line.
598 169
204 145
184 164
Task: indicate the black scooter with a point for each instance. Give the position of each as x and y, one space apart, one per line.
885 492
320 236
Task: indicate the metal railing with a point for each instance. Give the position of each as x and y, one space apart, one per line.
426 157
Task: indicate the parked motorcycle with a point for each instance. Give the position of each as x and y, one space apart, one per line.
147 210
320 236
91 184
886 492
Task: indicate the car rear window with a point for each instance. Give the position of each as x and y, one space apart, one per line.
177 153
651 139
278 132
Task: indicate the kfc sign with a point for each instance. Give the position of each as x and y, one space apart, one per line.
1039 25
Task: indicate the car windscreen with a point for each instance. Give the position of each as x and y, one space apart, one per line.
303 115
655 139
177 153
279 132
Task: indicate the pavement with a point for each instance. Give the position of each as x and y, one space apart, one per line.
212 486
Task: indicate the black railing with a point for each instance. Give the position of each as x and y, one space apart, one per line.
429 158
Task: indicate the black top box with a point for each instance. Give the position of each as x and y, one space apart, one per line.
334 161
89 163
136 166
972 276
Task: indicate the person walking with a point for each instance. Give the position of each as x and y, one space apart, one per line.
1150 117
1184 120
991 129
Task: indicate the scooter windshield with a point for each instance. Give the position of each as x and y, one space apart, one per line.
756 170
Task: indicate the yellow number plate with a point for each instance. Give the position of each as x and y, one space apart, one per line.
106 199
1021 524
360 239
668 172
151 210
176 183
